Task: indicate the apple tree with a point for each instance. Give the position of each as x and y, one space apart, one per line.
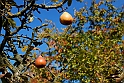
90 50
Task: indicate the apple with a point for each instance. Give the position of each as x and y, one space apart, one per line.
66 18
40 62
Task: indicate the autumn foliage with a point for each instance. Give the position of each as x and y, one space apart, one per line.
89 49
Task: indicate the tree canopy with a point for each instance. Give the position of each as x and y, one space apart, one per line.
90 50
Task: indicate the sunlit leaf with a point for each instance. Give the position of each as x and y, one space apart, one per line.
54 0
24 48
30 19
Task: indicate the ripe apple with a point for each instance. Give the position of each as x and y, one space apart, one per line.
40 62
66 18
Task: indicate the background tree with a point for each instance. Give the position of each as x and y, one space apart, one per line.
89 50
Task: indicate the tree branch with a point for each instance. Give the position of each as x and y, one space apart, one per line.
43 6
8 64
1 8
121 77
23 11
7 33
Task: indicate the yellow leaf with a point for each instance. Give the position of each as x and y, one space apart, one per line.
24 48
108 0
54 0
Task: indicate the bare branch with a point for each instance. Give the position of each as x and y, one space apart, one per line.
43 6
121 77
23 11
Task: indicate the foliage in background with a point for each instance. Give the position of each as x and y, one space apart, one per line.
90 50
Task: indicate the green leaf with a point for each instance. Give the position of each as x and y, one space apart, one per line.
12 22
69 2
